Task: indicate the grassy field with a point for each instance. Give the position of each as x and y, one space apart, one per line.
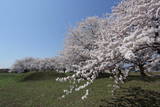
41 90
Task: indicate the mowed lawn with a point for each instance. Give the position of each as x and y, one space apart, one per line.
41 90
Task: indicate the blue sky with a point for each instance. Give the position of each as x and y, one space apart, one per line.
37 28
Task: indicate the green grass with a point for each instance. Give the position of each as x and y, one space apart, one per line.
41 90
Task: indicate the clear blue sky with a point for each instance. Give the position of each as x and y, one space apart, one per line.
37 28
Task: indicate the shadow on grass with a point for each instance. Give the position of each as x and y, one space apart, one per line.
104 75
133 97
33 76
132 77
146 78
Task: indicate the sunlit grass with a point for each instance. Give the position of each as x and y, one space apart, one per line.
41 90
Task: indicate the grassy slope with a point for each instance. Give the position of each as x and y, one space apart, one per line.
41 90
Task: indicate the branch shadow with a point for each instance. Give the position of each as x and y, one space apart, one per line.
145 78
133 97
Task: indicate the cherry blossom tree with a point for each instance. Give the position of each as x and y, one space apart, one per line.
138 23
104 56
80 41
23 65
129 35
34 64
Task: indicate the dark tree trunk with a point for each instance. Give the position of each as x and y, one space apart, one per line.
142 71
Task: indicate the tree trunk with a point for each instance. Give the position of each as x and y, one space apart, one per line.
142 71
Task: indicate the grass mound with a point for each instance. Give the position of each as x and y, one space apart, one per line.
31 76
